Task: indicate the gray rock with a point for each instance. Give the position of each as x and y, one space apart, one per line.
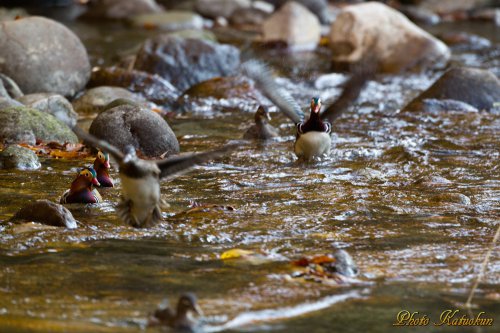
95 99
8 102
185 62
344 264
317 7
48 213
119 9
248 16
17 157
129 125
477 87
54 104
420 15
51 60
220 8
23 122
168 21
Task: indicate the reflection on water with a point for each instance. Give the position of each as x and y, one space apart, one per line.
413 198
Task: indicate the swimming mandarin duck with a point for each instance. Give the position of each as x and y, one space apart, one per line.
312 135
180 319
101 166
140 204
81 190
262 130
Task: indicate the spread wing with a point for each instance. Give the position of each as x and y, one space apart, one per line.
361 74
182 163
96 142
261 74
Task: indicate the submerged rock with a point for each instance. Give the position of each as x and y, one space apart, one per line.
129 125
48 213
95 99
186 61
151 86
477 87
168 21
220 8
232 92
17 157
374 30
54 104
51 60
294 25
119 9
444 105
20 122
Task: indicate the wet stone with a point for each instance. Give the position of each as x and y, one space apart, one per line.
185 61
17 157
6 102
95 99
477 87
48 213
119 9
19 122
54 104
128 125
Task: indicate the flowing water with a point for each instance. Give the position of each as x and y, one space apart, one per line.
414 198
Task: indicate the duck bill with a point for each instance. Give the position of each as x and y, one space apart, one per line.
197 310
95 182
107 165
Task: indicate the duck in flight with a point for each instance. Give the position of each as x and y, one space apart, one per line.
312 135
140 204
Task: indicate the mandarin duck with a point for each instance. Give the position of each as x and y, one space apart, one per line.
312 135
81 190
262 130
140 204
180 319
101 166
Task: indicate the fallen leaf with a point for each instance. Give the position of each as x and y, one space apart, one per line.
235 253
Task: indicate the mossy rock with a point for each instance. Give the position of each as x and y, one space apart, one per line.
44 127
17 157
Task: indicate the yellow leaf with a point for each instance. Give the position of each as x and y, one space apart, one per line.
235 253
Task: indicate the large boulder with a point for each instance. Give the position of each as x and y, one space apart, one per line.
294 25
41 55
55 104
120 9
95 99
48 213
19 123
129 125
477 87
220 8
186 61
374 30
17 157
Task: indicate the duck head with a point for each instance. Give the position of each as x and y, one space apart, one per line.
262 115
187 303
315 106
102 160
85 178
102 166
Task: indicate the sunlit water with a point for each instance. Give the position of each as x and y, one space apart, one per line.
413 197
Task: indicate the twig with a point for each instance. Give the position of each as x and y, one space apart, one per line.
483 269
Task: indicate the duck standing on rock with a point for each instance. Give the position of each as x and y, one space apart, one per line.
181 319
81 190
141 202
102 166
313 135
262 130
